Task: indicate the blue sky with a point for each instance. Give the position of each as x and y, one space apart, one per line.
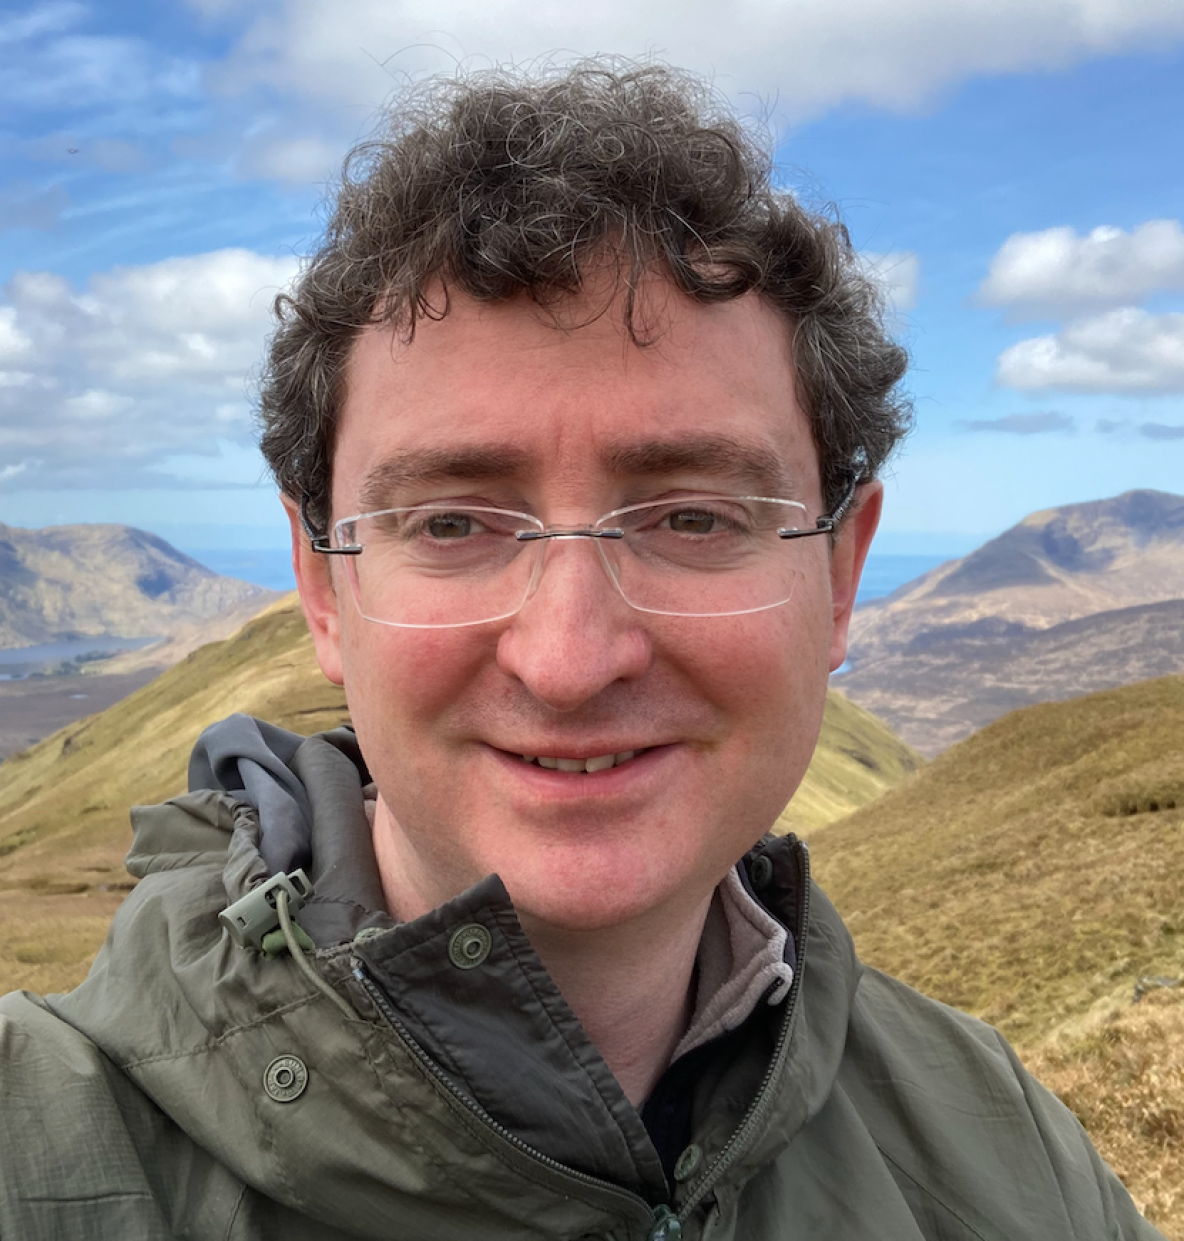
1012 169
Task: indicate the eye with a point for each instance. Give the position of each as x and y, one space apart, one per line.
693 521
449 525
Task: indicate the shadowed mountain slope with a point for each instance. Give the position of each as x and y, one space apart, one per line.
66 582
949 682
977 637
1053 566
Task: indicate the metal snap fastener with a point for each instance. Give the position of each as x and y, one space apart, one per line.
688 1162
285 1078
667 1226
469 946
761 872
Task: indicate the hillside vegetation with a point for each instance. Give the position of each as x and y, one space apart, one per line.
1032 875
64 802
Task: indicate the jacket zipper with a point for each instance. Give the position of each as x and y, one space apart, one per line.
727 1156
657 1214
663 1213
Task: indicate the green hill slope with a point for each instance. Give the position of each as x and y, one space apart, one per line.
1033 874
1033 871
64 802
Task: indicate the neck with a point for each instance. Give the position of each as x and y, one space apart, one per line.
630 985
631 988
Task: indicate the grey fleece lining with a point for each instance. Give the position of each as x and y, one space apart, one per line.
741 962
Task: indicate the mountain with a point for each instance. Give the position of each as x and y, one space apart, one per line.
948 682
67 582
64 802
977 637
1033 874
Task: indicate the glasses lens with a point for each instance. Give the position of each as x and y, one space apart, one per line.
706 556
438 566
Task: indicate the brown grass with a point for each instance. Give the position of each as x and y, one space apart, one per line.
1124 1077
1032 875
1001 881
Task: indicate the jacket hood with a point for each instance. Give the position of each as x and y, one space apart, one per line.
455 1101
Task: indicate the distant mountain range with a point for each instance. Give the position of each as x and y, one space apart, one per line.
67 582
1069 601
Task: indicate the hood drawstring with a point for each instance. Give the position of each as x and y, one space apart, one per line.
296 949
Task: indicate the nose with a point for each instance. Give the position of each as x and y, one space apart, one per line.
575 635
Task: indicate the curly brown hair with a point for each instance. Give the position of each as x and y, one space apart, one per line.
502 183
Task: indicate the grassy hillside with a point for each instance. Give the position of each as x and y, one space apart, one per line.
64 802
857 759
1032 875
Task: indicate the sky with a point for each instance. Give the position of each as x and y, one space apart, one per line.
1010 168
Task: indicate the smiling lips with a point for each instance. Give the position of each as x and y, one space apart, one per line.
602 762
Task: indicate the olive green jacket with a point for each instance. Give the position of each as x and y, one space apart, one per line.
195 1088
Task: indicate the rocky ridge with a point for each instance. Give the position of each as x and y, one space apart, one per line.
61 583
1059 605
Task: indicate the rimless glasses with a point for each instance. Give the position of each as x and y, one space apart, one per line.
441 566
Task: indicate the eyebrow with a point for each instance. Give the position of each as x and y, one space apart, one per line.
420 466
714 456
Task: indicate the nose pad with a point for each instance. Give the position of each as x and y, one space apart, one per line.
543 552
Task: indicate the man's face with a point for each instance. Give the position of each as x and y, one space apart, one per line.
722 713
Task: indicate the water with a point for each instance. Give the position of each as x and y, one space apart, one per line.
16 663
884 574
267 566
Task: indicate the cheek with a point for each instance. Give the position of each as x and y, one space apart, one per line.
401 682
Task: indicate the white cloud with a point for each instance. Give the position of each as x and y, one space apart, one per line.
809 54
14 344
1057 269
1122 351
898 272
139 364
297 157
1042 422
1161 431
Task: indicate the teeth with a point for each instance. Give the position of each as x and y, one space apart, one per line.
602 762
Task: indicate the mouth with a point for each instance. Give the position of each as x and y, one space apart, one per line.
599 762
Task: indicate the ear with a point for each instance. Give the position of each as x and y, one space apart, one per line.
846 563
318 597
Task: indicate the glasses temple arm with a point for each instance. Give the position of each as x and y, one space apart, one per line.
320 542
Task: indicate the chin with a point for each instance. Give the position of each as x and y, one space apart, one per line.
600 897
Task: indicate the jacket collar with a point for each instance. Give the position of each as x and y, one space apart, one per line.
402 1115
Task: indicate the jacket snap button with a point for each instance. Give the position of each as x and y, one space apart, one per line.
469 946
667 1228
761 873
688 1162
285 1078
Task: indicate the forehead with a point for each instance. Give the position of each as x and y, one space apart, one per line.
505 390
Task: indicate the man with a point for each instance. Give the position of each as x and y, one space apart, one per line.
577 424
